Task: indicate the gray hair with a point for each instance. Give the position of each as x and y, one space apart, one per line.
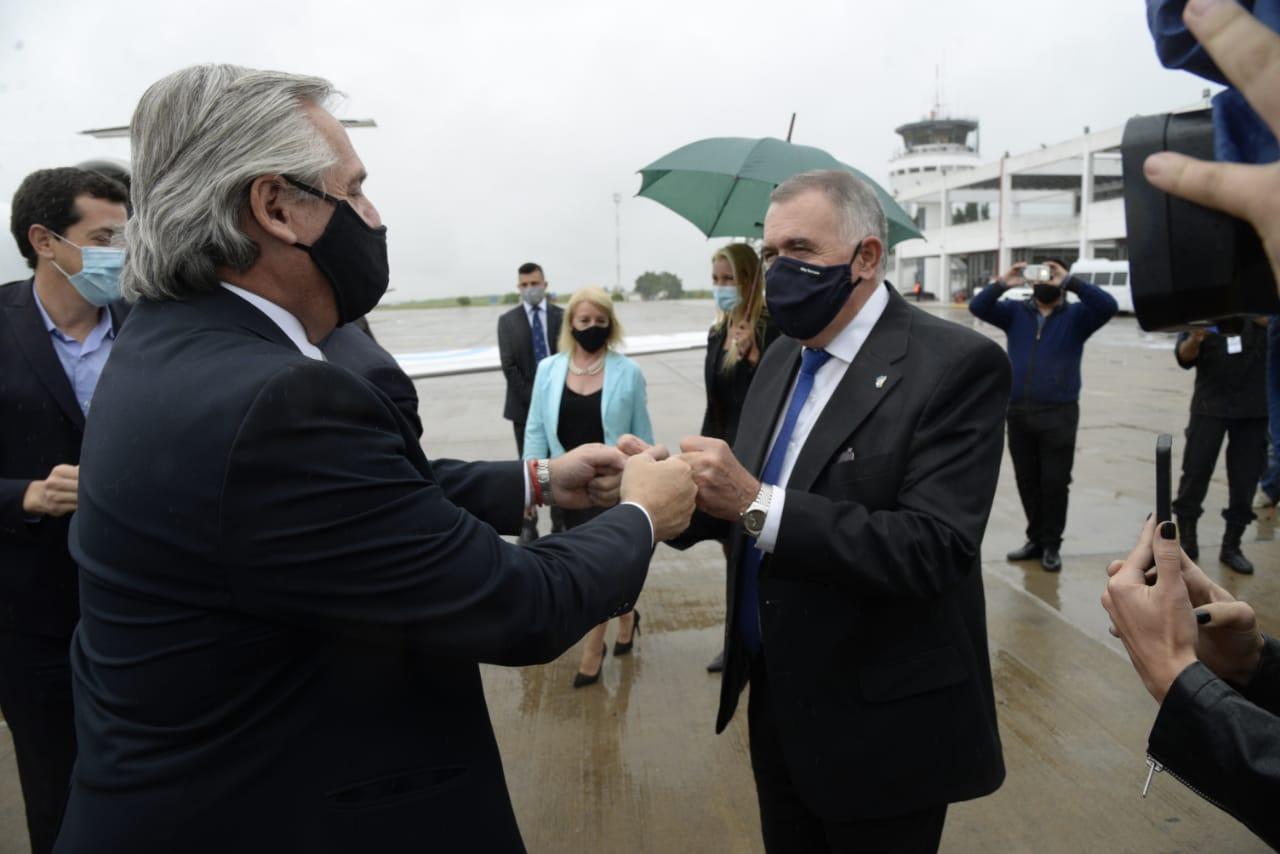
857 207
200 137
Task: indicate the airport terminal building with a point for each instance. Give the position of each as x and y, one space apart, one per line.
1063 200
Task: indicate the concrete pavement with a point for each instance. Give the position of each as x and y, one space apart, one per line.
632 762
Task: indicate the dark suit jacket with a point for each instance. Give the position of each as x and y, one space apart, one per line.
285 603
41 426
355 349
871 606
515 351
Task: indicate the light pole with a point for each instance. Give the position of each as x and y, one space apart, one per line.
617 241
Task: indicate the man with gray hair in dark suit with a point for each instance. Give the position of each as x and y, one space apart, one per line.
856 497
284 603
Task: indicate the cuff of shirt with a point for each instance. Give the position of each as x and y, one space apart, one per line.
768 539
528 487
653 533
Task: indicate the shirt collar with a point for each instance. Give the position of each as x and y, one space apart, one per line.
105 327
289 325
848 341
540 305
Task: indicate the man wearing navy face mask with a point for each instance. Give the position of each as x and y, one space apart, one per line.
856 496
56 331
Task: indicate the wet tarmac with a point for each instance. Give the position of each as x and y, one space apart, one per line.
632 763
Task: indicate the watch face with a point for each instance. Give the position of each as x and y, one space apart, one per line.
753 521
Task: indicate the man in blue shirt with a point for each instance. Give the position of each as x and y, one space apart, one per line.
56 331
1046 343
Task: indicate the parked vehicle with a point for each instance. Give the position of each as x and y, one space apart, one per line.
1111 276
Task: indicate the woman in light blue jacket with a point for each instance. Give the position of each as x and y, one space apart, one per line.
585 393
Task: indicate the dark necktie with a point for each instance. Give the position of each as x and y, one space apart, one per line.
539 338
748 582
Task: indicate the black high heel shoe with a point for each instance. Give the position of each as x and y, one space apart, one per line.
625 648
581 680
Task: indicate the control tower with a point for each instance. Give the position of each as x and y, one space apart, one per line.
934 146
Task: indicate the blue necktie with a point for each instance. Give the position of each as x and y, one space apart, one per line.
748 582
539 339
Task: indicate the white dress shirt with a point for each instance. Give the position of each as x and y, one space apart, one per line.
843 348
289 325
542 317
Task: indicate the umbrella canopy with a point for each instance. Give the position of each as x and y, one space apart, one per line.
722 184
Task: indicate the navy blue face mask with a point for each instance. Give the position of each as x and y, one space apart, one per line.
804 298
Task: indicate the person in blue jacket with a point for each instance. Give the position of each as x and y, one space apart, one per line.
588 392
1046 344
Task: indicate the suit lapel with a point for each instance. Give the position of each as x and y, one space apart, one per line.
768 393
524 339
119 311
37 347
554 315
869 380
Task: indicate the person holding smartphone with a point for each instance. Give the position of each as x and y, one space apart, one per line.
1198 651
1046 338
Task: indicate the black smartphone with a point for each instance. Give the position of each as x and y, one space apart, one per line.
1164 475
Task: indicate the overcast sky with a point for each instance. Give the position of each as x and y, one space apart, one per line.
505 128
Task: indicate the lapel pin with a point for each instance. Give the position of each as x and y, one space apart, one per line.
881 380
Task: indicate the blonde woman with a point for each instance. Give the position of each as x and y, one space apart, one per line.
735 343
588 392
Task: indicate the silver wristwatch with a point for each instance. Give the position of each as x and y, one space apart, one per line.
755 514
544 483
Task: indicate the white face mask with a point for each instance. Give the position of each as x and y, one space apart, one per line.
533 294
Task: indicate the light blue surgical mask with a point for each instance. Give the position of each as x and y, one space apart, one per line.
727 298
99 278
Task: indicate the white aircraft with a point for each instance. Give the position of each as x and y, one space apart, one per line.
443 363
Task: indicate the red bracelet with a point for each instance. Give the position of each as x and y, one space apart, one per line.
534 487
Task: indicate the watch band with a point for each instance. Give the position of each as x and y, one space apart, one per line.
544 483
763 497
754 516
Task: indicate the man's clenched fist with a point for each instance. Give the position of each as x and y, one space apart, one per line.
55 495
664 489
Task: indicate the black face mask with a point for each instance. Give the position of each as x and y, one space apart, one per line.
804 298
592 338
352 256
1046 294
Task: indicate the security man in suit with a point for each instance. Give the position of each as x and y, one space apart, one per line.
56 330
1229 402
527 334
284 603
858 492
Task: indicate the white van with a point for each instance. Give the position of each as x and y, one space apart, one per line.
1111 276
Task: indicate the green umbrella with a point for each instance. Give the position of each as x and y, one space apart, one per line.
722 184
